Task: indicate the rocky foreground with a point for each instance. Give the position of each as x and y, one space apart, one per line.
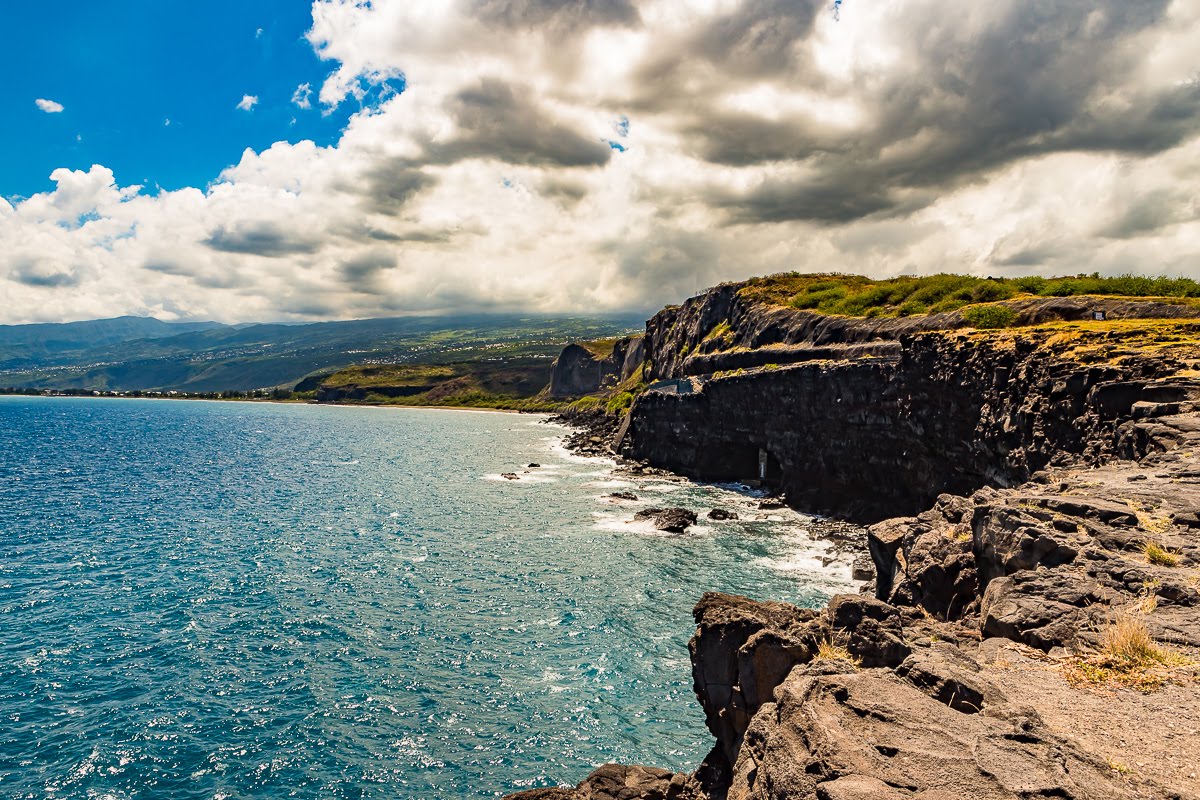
1035 633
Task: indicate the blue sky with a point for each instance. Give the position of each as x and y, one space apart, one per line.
555 156
122 68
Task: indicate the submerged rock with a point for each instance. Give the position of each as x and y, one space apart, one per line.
672 520
623 496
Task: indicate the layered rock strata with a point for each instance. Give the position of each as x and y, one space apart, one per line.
868 437
1034 493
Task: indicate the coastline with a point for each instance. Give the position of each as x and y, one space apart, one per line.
1033 501
281 403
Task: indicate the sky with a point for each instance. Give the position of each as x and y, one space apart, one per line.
280 160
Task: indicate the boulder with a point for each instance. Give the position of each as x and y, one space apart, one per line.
1042 609
720 514
869 628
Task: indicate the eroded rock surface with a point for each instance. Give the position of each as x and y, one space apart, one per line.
1053 487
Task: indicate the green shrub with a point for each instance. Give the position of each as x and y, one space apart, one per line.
619 403
989 316
820 298
1031 284
859 296
585 403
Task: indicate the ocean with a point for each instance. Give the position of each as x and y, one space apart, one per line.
220 600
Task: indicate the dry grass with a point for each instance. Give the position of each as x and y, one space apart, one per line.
1127 641
960 533
1128 657
1118 767
831 650
1149 521
1159 555
1147 605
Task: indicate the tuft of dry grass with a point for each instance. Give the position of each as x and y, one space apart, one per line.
1149 521
1118 767
1128 642
1129 657
1159 555
1148 598
831 650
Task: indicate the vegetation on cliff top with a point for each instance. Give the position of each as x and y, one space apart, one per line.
505 383
859 296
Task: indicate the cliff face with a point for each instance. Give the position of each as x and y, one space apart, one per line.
1033 628
876 429
982 662
723 330
578 371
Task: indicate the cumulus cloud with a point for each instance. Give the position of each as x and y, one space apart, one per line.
248 102
538 155
302 97
49 106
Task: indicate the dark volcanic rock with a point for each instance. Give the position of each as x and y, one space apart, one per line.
869 437
1020 537
578 371
741 651
623 496
618 782
721 514
871 630
672 520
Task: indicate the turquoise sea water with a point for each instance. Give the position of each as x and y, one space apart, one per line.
232 600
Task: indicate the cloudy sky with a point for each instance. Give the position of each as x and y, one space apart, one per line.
270 161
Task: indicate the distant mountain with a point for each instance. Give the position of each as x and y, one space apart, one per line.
32 344
133 353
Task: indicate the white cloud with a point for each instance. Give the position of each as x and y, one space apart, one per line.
302 97
49 106
758 137
258 33
248 102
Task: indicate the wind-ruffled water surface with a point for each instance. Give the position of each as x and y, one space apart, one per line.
246 600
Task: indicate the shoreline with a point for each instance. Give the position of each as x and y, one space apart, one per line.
285 403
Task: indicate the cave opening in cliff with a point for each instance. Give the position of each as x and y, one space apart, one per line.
748 463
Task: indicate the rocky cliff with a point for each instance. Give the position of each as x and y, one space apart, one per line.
1033 628
870 436
580 370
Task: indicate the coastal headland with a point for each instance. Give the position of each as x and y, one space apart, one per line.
1029 466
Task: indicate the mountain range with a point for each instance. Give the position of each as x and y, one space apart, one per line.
147 354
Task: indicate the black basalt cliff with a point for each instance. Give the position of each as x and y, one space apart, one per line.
578 371
873 418
1033 627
